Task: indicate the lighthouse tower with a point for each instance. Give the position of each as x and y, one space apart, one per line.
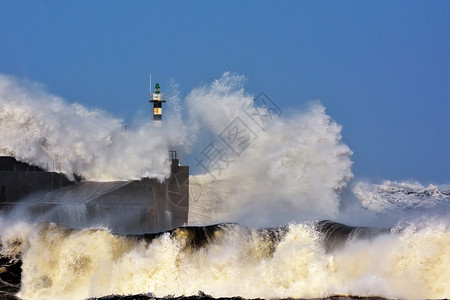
157 99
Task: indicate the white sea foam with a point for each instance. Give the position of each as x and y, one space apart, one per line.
391 197
411 262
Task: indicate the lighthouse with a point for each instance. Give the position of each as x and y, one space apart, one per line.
157 99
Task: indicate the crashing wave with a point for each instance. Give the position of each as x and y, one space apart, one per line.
392 196
306 260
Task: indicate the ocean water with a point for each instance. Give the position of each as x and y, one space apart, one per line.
306 260
257 219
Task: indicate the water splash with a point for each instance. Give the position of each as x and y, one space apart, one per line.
291 168
42 129
231 260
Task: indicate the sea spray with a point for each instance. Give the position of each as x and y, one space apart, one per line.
231 260
292 168
42 129
295 168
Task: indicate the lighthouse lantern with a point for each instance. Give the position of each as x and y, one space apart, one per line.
157 99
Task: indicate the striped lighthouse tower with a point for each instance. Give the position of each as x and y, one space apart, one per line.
157 99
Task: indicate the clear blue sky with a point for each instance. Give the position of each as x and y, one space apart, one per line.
381 68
